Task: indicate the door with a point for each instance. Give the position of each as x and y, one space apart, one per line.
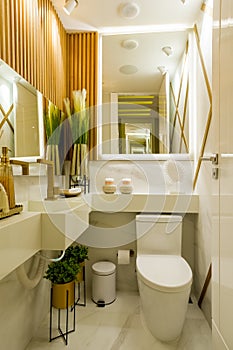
222 286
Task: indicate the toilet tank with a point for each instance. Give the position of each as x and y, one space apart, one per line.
159 234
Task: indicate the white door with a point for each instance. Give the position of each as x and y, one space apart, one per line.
222 286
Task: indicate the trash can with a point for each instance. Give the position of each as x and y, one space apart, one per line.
103 283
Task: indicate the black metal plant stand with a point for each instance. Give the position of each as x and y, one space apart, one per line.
63 334
77 302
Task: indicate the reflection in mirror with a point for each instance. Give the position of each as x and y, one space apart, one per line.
21 115
144 93
138 123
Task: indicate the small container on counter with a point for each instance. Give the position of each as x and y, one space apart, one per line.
109 186
126 186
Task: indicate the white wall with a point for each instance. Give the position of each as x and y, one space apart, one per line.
22 311
147 176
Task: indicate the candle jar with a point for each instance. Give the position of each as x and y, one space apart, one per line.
126 186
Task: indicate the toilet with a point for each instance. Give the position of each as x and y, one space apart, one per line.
164 277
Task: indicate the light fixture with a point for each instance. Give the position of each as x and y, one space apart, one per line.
70 6
129 10
129 44
167 50
162 69
128 69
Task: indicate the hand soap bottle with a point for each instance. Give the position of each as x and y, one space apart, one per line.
6 177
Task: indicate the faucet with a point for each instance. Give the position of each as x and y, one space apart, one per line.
51 190
24 165
81 182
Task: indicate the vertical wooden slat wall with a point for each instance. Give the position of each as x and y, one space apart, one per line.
82 72
33 43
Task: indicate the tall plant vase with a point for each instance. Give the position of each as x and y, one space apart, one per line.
59 295
52 153
84 159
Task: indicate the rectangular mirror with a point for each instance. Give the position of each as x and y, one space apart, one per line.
144 94
21 115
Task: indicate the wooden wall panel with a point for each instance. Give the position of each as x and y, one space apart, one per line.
82 64
82 72
33 42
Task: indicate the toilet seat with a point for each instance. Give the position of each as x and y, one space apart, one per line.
168 273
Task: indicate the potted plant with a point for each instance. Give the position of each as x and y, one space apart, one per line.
77 253
62 275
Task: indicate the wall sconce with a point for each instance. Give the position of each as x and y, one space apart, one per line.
70 6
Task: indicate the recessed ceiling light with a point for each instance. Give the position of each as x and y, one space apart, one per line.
128 69
129 10
167 50
129 44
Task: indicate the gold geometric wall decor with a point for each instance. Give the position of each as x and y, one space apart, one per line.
176 103
181 119
209 118
5 117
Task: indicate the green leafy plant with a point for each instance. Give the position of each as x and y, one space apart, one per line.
62 271
53 118
78 116
76 253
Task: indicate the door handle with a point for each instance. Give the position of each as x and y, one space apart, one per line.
212 158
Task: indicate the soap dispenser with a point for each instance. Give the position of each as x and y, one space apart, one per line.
6 177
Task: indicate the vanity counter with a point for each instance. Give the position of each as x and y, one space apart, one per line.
149 203
51 226
20 239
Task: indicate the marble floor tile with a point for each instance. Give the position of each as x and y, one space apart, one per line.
121 326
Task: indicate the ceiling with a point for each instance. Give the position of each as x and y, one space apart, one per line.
158 24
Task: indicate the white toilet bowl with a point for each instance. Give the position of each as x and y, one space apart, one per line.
164 283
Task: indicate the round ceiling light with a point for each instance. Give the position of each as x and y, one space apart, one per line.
128 69
129 10
129 44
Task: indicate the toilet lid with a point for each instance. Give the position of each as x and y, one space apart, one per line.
169 273
104 268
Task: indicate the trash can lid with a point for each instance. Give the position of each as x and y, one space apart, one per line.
104 268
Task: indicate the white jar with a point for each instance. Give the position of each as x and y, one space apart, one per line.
109 186
125 186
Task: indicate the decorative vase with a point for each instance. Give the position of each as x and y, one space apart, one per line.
52 153
59 295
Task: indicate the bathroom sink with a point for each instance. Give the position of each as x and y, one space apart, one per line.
48 225
61 204
20 239
62 220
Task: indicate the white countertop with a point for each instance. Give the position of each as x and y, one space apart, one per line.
139 202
